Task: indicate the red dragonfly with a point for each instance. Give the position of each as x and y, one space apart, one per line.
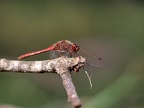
62 46
67 48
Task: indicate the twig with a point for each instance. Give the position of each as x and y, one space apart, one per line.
89 78
61 66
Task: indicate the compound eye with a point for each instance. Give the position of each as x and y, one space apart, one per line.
75 47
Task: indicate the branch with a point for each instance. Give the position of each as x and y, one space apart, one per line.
62 66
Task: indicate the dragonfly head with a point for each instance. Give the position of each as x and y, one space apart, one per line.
75 47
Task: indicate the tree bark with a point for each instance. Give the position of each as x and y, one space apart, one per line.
62 66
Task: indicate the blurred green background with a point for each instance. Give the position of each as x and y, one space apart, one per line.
110 29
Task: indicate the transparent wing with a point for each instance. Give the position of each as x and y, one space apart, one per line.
59 53
92 61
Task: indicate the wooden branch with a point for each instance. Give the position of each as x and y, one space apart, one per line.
62 66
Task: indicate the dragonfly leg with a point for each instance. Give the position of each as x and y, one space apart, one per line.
52 55
68 54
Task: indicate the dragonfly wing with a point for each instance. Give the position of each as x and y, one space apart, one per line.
58 53
92 61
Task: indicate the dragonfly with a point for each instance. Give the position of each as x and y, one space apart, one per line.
66 48
62 47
